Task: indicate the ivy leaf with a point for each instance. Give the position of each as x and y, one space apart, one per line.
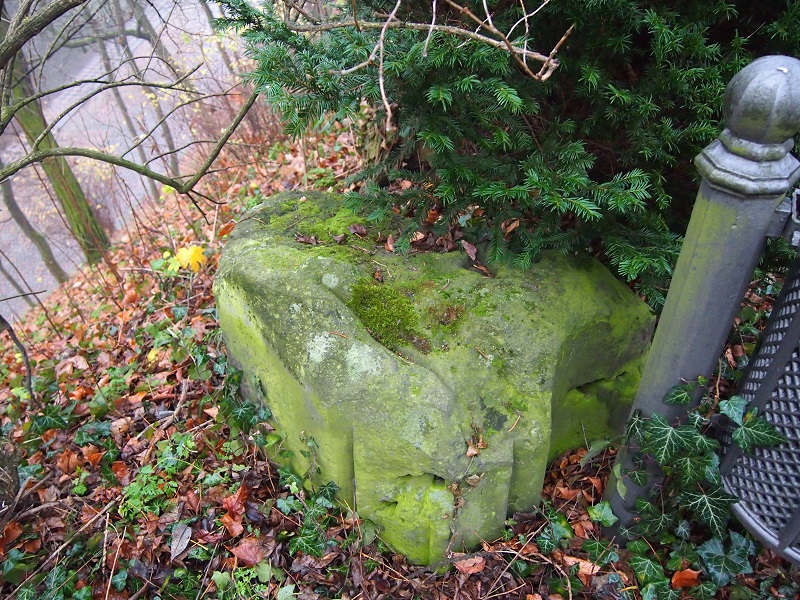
741 545
308 541
653 520
721 566
119 580
684 530
711 507
221 579
734 408
289 505
691 469
546 543
713 474
675 562
704 443
602 513
600 552
328 492
757 432
557 524
704 591
680 395
635 427
85 593
622 489
665 441
638 547
639 477
697 420
659 590
647 570
52 417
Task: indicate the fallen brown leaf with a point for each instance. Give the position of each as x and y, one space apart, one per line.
67 365
248 551
432 217
233 525
226 229
121 472
685 579
469 566
181 535
586 569
483 269
304 239
235 503
193 501
67 461
357 229
470 249
92 454
11 532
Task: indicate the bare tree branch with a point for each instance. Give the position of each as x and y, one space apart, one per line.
492 37
22 30
182 187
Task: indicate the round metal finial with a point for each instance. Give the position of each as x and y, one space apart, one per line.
762 102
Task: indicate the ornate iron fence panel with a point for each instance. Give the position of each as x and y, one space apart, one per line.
767 481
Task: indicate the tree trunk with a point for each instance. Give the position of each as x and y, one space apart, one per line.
158 48
127 119
31 233
15 284
78 212
226 59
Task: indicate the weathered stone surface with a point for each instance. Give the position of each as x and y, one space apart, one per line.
515 368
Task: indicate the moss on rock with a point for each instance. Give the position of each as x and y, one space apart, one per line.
385 311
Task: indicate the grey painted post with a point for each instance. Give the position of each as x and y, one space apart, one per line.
746 173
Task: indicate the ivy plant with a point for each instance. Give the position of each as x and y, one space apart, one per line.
686 519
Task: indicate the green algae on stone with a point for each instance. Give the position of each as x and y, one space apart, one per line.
536 358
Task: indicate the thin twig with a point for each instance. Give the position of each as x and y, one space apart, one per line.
25 295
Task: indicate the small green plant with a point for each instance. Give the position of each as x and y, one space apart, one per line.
686 519
117 385
322 178
316 511
253 582
147 493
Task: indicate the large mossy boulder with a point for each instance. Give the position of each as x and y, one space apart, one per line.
435 398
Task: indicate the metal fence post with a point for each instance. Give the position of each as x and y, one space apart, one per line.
746 173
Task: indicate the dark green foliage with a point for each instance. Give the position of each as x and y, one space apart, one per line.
589 160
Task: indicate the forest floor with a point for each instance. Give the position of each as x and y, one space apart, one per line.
143 475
